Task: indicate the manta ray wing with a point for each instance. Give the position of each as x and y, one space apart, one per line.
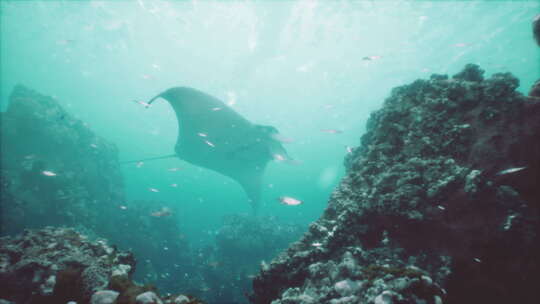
221 140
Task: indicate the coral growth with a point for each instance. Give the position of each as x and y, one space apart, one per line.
439 203
57 265
55 170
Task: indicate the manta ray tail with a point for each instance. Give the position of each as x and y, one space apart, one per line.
147 159
252 187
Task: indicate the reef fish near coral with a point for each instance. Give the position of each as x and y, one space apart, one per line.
231 145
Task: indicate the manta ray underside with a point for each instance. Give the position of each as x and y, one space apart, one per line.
214 136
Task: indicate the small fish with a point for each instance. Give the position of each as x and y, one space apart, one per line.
209 143
279 157
174 185
153 189
477 260
93 146
290 201
48 173
202 134
510 170
64 41
122 207
216 109
441 207
161 213
31 156
146 76
139 164
156 66
370 58
331 131
349 149
293 162
281 138
146 105
461 44
316 244
174 169
231 97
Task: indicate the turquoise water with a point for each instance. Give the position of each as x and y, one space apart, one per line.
299 66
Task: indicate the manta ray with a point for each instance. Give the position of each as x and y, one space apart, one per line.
213 136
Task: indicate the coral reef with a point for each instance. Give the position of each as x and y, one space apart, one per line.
225 270
246 239
440 203
55 170
150 236
57 265
535 90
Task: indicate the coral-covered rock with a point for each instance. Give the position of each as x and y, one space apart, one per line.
104 297
148 298
56 266
535 90
440 203
55 170
242 242
181 299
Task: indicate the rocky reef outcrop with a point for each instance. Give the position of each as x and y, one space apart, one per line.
55 170
225 268
57 265
440 204
60 265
